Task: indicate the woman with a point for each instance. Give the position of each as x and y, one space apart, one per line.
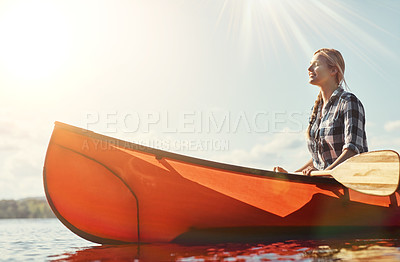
336 129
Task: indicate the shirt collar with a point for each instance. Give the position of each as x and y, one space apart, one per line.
338 91
336 94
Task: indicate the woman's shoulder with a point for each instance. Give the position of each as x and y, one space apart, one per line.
350 100
348 96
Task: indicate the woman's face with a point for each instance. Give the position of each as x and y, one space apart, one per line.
319 72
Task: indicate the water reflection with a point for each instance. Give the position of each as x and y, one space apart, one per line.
333 250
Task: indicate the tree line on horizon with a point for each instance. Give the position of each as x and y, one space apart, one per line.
25 208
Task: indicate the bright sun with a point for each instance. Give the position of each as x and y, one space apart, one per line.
34 38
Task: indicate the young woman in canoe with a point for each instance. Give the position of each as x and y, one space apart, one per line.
336 129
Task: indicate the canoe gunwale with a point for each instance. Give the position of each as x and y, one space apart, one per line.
159 154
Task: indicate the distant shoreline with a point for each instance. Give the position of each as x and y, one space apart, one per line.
33 207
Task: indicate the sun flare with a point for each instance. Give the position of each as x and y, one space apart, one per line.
34 41
291 26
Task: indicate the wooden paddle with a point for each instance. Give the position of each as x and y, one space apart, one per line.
375 173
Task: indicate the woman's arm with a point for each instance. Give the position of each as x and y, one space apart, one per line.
306 169
306 165
346 154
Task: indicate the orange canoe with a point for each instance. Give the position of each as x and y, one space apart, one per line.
110 191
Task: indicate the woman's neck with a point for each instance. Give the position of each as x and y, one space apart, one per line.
327 91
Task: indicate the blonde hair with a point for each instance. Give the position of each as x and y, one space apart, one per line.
334 59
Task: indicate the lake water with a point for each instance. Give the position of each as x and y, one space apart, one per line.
49 240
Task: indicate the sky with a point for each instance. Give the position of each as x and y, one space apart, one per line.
224 80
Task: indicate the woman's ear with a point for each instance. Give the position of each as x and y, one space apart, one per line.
334 71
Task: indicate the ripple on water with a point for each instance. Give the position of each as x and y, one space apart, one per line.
48 239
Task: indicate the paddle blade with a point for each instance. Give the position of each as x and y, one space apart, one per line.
374 173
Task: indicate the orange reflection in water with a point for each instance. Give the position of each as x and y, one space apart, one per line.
299 250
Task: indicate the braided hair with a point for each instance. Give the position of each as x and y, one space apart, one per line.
334 59
314 113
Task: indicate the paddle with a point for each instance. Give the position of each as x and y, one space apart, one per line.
375 173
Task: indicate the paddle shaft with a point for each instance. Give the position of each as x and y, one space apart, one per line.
317 173
321 173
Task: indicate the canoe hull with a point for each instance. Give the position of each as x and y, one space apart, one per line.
110 191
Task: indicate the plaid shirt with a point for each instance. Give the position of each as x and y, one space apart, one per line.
341 126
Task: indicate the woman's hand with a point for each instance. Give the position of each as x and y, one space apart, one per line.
280 169
307 171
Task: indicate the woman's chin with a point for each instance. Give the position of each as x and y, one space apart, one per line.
313 81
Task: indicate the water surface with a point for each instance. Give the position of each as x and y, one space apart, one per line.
49 240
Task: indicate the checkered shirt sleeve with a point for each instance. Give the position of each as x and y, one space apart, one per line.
354 124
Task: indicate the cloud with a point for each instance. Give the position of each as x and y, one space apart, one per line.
384 142
22 150
286 148
7 127
392 126
21 172
8 146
